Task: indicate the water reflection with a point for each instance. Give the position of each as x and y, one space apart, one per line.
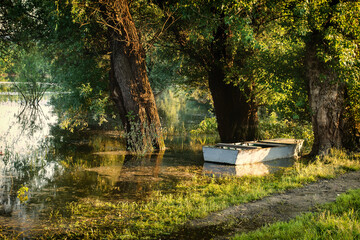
59 167
23 142
23 127
255 169
130 178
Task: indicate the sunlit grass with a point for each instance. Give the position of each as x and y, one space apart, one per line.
192 198
339 220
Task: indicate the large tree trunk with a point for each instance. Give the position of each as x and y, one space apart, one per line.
235 111
236 115
326 100
130 87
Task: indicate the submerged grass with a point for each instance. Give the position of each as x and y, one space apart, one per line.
192 198
338 220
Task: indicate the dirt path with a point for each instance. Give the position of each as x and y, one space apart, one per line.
279 207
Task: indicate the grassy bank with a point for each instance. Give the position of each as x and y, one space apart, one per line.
192 198
339 220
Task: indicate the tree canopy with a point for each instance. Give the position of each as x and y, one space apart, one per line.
299 59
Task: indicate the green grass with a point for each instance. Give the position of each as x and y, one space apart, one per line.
339 220
192 198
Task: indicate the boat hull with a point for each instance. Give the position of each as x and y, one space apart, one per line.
235 154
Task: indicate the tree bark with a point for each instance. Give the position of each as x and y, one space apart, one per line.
236 116
326 99
332 119
235 111
130 87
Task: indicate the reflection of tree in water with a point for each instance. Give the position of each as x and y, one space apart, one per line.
138 177
62 168
31 118
26 160
34 170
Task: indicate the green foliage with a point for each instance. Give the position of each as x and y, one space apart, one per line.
32 75
90 108
335 21
206 132
207 126
144 11
163 69
265 44
73 56
335 24
180 110
7 59
97 102
80 69
259 56
272 127
170 106
281 62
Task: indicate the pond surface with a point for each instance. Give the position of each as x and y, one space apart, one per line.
42 168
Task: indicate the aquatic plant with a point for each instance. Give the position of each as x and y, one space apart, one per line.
22 194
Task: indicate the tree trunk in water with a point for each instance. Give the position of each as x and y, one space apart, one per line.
326 100
235 111
130 87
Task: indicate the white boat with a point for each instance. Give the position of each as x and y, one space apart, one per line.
253 151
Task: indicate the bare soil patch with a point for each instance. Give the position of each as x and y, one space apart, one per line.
279 207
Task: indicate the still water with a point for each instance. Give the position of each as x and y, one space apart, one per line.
43 168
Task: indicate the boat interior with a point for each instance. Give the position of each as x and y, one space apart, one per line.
251 145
